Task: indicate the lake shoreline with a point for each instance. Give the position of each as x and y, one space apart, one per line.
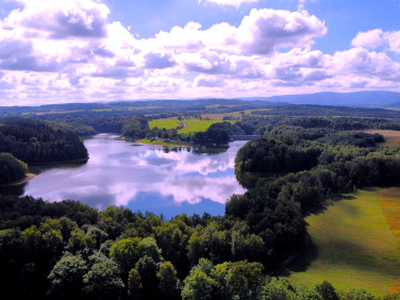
28 176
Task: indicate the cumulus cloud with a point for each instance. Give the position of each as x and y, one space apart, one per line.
265 30
236 3
376 38
362 62
371 39
61 19
260 33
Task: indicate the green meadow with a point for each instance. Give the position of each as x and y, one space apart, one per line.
189 126
164 123
352 246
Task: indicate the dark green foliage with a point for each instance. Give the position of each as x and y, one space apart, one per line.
135 128
126 252
239 280
327 291
172 237
270 157
103 281
198 285
148 268
217 133
66 278
279 223
26 211
168 280
11 169
35 141
279 289
134 284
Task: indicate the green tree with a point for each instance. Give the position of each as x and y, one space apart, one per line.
198 286
134 284
103 281
126 253
168 281
66 278
11 169
148 268
148 246
79 241
326 291
239 280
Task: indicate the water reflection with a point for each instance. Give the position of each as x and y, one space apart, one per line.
145 177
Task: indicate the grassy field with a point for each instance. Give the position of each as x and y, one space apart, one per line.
390 203
392 136
189 126
352 246
163 123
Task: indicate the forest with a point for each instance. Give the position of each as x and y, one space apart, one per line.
68 250
25 141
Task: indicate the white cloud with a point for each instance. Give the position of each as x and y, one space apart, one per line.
393 39
60 19
265 30
57 51
261 32
236 3
361 62
376 38
371 39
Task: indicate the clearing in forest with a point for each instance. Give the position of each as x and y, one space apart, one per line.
352 246
392 136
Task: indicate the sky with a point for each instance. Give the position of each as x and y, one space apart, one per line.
60 51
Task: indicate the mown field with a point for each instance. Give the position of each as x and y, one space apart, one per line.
352 246
188 126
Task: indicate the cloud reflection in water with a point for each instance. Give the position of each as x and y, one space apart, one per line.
118 172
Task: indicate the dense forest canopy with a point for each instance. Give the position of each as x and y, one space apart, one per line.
35 141
11 169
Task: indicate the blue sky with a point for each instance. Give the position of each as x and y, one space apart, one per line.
57 51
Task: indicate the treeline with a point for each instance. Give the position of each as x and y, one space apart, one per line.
11 169
67 250
34 141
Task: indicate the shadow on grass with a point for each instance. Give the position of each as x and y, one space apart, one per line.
302 261
316 210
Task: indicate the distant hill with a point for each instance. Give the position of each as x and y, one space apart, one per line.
377 99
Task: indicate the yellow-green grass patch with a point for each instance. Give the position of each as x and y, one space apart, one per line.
188 125
354 247
193 126
164 123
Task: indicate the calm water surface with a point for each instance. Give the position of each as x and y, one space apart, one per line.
143 177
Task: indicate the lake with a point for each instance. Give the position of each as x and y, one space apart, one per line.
152 178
